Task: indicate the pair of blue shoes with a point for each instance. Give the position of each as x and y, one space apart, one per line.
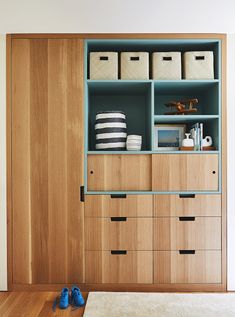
75 299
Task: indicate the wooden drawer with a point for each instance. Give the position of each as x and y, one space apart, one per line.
119 172
187 205
132 267
173 267
198 233
118 206
119 233
185 172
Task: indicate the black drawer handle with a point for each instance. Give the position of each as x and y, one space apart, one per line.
186 218
165 58
104 58
118 218
186 251
186 195
118 196
134 58
118 252
200 58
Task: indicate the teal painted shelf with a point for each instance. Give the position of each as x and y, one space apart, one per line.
143 101
119 152
183 118
152 152
150 192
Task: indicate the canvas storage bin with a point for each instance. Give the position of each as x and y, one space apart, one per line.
134 65
199 65
104 65
166 65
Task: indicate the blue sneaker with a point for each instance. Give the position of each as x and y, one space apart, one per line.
62 300
77 299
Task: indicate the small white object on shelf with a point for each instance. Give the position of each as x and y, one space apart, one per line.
199 65
187 142
134 142
104 65
166 65
134 65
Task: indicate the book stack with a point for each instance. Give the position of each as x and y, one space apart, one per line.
196 133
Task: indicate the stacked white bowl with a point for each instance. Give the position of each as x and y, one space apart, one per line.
134 142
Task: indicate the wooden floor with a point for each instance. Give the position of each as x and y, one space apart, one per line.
33 304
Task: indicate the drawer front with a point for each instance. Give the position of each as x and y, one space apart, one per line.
185 172
130 267
180 233
118 206
173 267
119 172
119 233
187 205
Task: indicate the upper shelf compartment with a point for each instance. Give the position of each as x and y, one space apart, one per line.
154 45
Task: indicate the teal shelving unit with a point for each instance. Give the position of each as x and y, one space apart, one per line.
143 101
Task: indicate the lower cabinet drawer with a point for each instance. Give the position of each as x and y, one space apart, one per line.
118 205
176 233
118 233
119 267
187 205
113 172
173 267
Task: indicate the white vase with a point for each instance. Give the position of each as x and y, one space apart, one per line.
187 142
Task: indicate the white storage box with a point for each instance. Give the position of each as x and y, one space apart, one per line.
166 65
104 65
199 65
134 65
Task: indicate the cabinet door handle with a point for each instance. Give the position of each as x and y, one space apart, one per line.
118 218
186 251
186 218
118 252
186 195
118 195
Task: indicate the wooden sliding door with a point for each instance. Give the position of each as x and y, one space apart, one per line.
47 161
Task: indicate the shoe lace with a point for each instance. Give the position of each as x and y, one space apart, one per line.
56 302
73 304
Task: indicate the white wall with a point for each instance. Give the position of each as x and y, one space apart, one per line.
3 238
123 16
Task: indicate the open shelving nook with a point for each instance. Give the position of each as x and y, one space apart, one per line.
143 101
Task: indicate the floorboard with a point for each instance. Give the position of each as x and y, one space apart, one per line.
33 304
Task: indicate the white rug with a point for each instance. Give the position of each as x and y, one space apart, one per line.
108 304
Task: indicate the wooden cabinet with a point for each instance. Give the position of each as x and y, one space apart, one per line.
176 267
182 233
78 215
119 172
47 161
185 172
119 267
118 205
187 205
119 233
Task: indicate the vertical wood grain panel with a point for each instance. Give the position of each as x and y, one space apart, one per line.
173 172
48 217
57 159
21 161
75 161
119 172
39 159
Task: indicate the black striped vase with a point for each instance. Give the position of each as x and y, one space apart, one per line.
110 129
